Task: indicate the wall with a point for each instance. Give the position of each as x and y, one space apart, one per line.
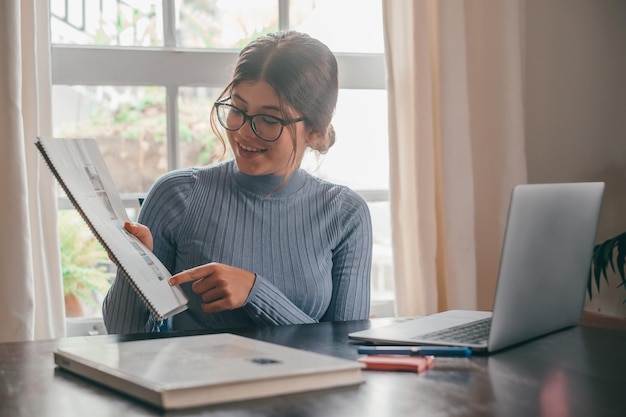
575 107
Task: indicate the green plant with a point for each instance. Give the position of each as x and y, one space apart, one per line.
610 253
83 259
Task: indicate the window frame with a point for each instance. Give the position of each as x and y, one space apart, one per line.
172 67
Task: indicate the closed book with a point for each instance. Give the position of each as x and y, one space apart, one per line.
190 371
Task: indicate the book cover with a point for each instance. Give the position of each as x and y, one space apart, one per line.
81 171
188 371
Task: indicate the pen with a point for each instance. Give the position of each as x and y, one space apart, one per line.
446 351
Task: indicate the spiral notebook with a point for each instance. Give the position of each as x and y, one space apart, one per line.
81 171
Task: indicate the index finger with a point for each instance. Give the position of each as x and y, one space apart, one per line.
189 275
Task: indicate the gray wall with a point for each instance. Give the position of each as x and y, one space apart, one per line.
575 99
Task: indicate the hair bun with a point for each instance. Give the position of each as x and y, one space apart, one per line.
325 141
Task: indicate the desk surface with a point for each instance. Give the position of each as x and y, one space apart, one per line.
575 372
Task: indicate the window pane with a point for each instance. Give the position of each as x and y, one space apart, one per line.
360 156
224 23
345 26
198 144
128 123
107 22
382 254
85 266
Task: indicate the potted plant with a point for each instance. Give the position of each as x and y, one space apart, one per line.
83 264
610 253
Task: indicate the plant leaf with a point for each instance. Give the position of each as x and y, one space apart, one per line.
603 258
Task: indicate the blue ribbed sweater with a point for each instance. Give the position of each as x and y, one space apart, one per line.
309 244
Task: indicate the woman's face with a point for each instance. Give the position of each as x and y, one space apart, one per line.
255 156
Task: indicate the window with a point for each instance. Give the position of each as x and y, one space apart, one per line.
140 76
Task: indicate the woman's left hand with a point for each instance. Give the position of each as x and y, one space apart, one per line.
222 287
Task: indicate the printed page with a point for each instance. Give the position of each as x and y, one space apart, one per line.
82 172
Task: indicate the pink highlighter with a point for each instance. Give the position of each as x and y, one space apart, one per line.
397 362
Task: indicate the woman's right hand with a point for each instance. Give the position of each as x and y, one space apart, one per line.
141 232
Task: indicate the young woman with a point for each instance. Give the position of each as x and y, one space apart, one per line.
257 240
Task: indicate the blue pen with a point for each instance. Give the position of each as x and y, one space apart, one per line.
444 351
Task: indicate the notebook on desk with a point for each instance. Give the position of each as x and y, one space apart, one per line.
542 279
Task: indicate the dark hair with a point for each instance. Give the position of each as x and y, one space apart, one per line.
302 71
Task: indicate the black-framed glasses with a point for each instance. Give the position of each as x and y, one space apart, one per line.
265 126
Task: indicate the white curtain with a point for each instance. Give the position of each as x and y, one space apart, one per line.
31 293
456 145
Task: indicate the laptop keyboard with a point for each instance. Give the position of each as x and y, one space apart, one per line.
475 332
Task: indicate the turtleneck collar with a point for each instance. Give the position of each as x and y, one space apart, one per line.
264 185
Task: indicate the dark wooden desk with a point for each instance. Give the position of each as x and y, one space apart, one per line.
576 372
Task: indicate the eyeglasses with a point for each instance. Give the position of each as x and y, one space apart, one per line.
266 127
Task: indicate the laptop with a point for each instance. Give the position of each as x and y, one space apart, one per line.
542 278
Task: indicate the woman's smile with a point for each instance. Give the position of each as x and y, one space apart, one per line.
248 148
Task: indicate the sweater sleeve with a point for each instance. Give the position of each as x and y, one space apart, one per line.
352 263
122 310
267 305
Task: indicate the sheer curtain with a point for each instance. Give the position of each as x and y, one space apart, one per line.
31 291
456 145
